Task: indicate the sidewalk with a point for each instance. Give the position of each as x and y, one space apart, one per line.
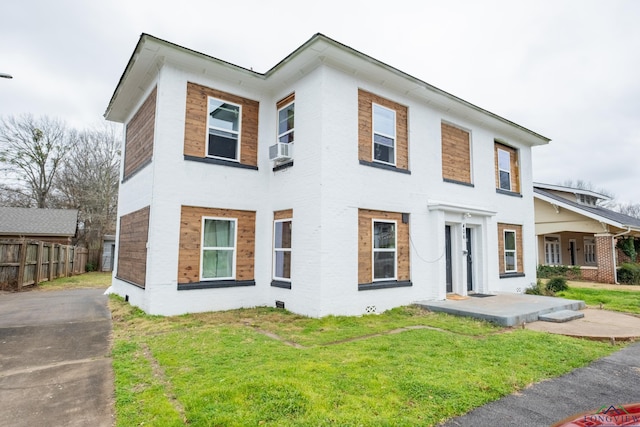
596 324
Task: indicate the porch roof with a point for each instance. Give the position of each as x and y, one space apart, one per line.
598 213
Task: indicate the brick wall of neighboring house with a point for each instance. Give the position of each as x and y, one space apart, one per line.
456 154
604 254
132 247
196 123
590 274
138 148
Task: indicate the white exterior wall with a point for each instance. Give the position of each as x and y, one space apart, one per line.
325 188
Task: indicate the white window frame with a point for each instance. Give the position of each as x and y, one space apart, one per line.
373 135
504 170
212 248
514 250
275 250
280 135
374 250
238 132
558 251
590 251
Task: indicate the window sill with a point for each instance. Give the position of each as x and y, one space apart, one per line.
214 284
508 193
453 181
219 162
510 275
385 167
283 166
281 284
386 284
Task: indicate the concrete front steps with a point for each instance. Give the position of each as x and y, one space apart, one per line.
504 309
561 316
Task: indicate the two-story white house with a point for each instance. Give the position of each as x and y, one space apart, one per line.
331 184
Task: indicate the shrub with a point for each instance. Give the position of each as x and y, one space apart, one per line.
570 272
538 288
90 267
629 274
557 284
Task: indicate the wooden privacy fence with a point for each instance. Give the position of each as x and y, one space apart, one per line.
27 262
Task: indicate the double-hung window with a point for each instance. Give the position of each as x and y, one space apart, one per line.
282 250
510 256
504 169
384 250
384 135
218 249
285 123
224 130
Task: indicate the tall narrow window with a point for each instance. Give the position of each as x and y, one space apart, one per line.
552 250
510 251
218 249
384 135
589 250
224 130
282 249
504 169
384 250
285 123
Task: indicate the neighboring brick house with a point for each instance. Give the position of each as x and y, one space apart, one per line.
574 228
331 184
48 225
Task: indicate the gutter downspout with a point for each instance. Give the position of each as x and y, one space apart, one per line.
613 250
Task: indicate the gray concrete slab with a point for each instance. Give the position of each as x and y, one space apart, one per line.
613 380
560 316
504 309
596 325
55 368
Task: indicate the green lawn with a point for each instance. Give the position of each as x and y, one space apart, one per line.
403 367
86 280
624 301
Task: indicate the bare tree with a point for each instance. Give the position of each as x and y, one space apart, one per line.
88 181
587 185
631 209
32 150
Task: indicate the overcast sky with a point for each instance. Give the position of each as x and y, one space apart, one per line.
567 69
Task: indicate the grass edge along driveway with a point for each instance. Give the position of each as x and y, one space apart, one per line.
270 367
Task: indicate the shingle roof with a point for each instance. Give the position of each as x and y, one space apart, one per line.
42 222
607 214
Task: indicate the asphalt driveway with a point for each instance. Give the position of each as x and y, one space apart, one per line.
55 368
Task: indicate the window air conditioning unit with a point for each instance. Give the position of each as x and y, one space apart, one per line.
281 151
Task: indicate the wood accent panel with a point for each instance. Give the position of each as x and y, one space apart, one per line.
286 100
515 170
140 131
365 244
456 153
365 128
132 246
191 239
285 214
519 255
196 123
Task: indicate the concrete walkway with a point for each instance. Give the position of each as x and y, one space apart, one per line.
596 324
55 368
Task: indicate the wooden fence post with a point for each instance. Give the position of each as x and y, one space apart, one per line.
23 262
38 273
